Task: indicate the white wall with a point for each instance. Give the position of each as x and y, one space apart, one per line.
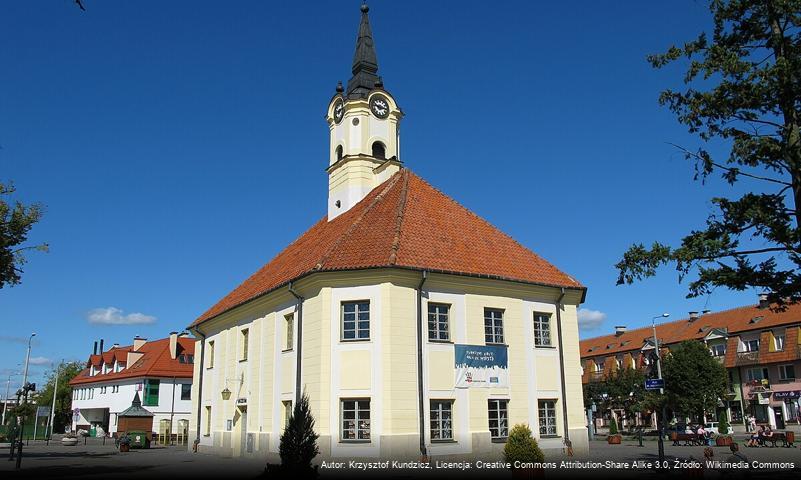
91 408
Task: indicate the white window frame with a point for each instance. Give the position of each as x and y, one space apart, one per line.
358 330
777 343
440 427
549 426
440 321
245 335
493 320
542 330
289 332
783 372
358 420
500 407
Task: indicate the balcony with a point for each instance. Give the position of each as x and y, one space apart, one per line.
747 358
596 376
719 358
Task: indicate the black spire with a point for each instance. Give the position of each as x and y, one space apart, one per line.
365 62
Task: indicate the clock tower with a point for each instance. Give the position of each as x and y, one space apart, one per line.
364 122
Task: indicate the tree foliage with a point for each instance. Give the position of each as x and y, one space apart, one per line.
743 94
16 221
521 446
694 380
44 395
625 390
299 440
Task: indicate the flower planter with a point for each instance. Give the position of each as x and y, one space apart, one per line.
723 441
614 439
69 441
124 447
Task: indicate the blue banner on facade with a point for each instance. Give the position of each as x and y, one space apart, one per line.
481 366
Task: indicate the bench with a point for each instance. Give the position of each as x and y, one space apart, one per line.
687 438
787 439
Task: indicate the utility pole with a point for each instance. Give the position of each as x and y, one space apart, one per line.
660 419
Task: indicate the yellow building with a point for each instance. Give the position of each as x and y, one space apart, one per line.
399 312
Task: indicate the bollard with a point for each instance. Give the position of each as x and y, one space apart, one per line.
84 439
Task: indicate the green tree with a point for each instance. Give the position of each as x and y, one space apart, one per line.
694 380
743 96
16 221
625 390
521 446
299 440
44 395
723 423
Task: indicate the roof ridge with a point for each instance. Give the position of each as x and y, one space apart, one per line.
393 256
672 322
482 219
390 183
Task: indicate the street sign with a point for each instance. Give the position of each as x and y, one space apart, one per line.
654 383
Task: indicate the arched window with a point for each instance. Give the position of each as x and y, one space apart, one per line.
339 152
379 151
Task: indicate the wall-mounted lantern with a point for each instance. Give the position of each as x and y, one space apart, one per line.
226 394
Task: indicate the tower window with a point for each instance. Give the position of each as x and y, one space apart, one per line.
339 152
379 151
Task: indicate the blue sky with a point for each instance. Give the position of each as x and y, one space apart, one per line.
178 146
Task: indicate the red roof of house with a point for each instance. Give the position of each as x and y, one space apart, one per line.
405 223
734 321
155 362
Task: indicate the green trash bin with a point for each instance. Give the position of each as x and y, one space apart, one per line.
139 439
93 432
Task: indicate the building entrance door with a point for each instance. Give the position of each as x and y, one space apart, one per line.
777 412
243 430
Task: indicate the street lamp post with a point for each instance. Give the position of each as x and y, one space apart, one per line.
23 391
660 424
27 360
5 403
53 407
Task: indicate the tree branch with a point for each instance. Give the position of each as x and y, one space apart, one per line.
729 169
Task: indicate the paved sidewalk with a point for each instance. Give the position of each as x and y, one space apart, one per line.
95 460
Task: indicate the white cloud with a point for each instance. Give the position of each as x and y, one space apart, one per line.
590 319
115 316
40 361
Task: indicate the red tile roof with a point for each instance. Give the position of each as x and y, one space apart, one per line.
405 223
737 320
155 362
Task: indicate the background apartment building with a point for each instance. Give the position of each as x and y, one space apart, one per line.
760 348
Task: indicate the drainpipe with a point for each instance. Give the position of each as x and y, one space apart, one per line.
299 350
562 365
199 383
421 393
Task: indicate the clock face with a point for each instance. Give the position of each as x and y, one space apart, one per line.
339 110
379 105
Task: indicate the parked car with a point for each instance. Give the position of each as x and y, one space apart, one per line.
713 427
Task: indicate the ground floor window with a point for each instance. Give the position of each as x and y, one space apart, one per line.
441 420
792 410
547 416
498 418
355 420
208 421
287 412
736 412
